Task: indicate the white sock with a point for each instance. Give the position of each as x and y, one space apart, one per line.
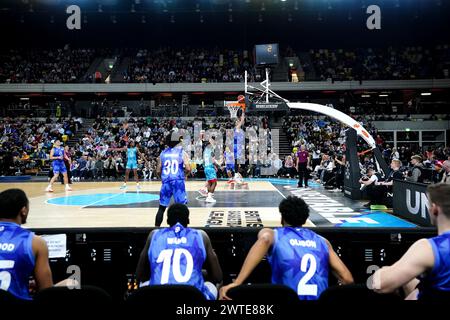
67 185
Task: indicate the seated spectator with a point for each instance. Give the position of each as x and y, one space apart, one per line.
381 192
299 246
425 267
367 183
416 173
276 163
288 167
446 176
325 169
340 172
110 167
74 172
98 168
90 168
175 241
82 169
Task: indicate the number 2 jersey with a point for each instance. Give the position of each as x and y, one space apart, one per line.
300 260
176 256
16 259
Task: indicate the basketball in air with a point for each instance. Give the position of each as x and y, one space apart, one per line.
241 98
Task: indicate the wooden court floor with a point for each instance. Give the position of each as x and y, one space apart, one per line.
104 204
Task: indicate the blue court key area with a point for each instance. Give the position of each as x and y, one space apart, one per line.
103 199
384 220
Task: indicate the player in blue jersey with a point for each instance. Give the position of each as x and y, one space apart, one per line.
132 152
425 268
239 138
58 166
172 163
229 162
300 258
177 255
22 254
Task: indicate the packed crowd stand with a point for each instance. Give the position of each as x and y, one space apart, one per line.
171 65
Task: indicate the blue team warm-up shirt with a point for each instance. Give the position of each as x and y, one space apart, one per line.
176 256
172 177
16 259
439 277
300 260
58 165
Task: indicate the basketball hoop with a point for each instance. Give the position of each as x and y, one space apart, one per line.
234 107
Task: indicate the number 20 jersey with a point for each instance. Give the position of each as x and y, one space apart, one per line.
300 260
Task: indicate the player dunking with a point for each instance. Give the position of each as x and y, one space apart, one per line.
132 152
57 156
172 163
239 136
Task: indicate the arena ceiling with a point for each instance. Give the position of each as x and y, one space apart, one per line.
298 23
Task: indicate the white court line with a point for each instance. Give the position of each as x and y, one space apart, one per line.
115 195
216 201
308 220
280 192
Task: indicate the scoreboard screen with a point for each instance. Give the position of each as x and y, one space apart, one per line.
266 54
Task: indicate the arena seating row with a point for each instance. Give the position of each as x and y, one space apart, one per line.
170 65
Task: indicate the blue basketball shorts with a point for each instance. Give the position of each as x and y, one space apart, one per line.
175 188
59 167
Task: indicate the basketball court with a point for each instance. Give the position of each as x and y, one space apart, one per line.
104 205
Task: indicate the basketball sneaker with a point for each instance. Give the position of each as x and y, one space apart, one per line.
49 189
124 186
68 188
210 199
203 192
138 187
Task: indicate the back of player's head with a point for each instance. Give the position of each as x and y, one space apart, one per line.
178 213
12 201
172 139
294 211
439 194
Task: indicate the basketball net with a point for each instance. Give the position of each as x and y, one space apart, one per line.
234 107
